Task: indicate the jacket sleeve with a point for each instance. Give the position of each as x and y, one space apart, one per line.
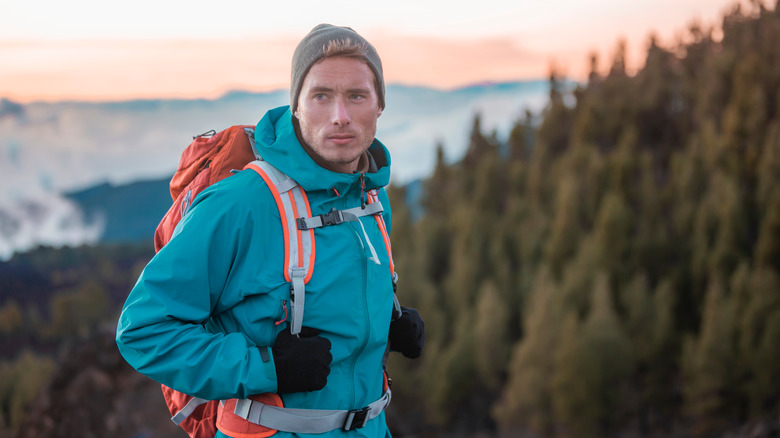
161 328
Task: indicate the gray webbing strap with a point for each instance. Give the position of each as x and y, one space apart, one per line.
370 210
310 420
243 406
297 299
282 182
187 410
250 132
336 217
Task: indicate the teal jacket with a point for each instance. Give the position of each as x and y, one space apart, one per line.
209 301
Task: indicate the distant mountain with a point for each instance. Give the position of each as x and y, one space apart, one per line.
47 149
130 212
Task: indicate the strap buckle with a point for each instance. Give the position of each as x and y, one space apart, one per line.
334 217
356 419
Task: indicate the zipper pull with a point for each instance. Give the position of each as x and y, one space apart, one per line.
362 190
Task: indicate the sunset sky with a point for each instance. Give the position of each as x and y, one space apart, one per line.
96 50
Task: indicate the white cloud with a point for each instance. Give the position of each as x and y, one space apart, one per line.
50 221
53 148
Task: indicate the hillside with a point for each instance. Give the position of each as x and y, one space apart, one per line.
128 212
610 268
614 270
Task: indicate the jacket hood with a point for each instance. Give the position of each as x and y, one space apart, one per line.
277 143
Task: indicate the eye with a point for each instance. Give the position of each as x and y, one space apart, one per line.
356 97
320 96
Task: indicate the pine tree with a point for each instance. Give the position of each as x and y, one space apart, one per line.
767 252
709 364
637 301
649 324
521 139
664 355
759 345
491 336
592 367
527 399
565 230
454 386
612 233
769 163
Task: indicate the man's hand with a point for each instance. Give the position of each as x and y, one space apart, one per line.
407 333
302 363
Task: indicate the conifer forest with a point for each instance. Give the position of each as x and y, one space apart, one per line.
610 269
614 269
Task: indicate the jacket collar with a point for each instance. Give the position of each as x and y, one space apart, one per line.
277 143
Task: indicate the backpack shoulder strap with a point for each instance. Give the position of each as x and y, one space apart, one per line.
299 250
373 199
298 229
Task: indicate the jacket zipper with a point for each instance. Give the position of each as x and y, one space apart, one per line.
362 190
366 318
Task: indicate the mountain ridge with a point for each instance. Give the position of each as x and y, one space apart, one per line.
50 149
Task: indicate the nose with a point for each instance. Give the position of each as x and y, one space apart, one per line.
340 113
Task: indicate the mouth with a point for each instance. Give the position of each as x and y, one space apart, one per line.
341 138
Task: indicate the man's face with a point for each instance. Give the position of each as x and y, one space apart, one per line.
337 112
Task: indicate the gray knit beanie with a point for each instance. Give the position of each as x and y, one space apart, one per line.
311 49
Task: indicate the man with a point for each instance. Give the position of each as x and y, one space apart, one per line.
209 316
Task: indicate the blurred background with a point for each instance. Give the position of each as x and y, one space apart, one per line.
586 204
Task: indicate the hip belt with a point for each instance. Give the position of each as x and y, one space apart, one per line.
263 418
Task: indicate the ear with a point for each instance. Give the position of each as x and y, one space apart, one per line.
378 112
297 114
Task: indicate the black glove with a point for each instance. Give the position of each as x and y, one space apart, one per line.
407 333
302 363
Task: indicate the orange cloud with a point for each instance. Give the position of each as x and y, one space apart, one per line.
108 70
97 69
120 69
447 63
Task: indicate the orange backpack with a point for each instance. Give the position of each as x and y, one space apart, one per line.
210 157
